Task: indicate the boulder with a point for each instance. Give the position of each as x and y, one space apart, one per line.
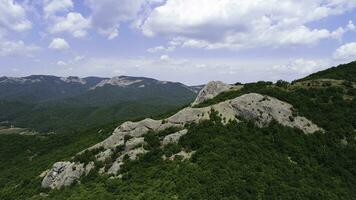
133 143
264 109
211 90
64 174
102 156
174 138
183 155
132 154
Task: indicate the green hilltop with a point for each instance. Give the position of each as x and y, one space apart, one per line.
232 161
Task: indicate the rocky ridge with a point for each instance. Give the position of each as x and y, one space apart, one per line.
120 81
211 90
260 108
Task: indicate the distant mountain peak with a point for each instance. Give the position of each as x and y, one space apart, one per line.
121 81
17 80
73 79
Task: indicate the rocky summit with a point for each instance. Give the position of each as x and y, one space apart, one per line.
129 136
211 90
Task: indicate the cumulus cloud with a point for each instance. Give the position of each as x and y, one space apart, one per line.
16 48
13 16
72 61
61 63
346 52
51 7
161 48
237 24
165 58
59 44
107 15
74 23
300 67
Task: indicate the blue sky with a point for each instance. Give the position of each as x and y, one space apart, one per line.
177 40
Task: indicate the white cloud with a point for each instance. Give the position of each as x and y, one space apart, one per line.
61 63
346 52
74 23
237 24
51 7
16 48
73 61
161 48
299 67
13 16
165 58
107 15
59 44
351 26
78 58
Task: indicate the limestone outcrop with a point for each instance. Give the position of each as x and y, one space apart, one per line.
174 137
262 109
132 155
130 135
65 174
211 90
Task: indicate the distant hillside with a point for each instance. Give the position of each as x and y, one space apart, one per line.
341 72
50 103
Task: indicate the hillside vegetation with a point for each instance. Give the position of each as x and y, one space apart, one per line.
233 161
342 72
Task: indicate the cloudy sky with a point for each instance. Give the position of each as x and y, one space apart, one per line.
191 41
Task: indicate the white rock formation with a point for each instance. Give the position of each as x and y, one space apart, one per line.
211 90
174 138
134 142
264 109
73 79
102 156
65 174
260 108
120 81
182 154
18 80
132 154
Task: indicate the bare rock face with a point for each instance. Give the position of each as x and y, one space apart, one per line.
64 174
183 155
134 142
132 154
174 138
264 109
102 156
260 108
211 90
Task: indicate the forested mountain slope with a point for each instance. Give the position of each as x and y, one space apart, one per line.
244 143
59 104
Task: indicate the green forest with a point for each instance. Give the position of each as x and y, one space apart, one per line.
233 161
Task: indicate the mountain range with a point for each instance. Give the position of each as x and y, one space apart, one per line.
43 102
